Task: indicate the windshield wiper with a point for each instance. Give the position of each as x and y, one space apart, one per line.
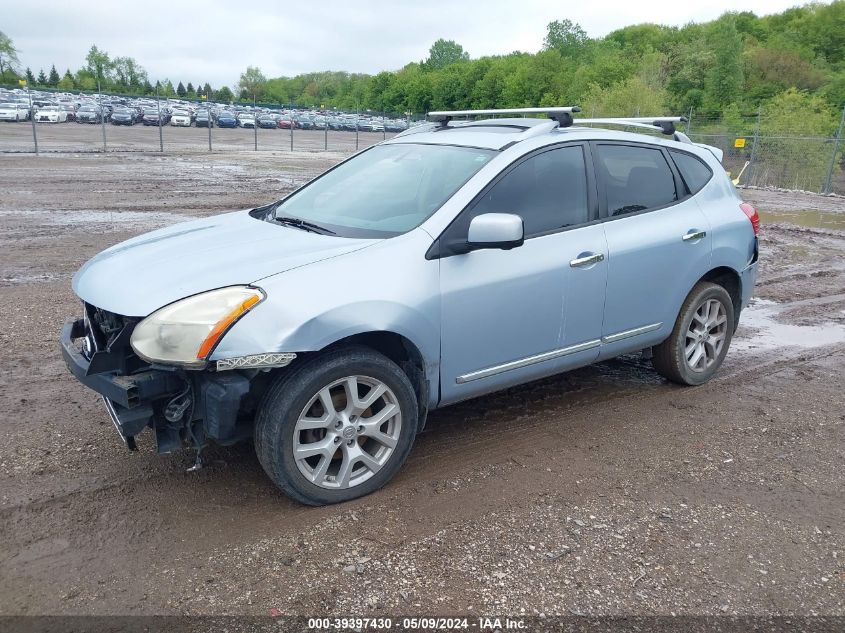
305 226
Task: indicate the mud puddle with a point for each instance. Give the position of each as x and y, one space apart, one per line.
761 330
807 218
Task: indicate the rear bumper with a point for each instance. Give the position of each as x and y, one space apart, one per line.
748 279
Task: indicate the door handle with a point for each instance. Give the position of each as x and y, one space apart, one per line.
693 235
586 260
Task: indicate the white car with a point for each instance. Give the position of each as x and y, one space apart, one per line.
51 114
180 119
246 120
12 112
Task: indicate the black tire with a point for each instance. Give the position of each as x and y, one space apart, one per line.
291 392
669 357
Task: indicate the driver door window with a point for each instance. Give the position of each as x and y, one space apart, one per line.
548 190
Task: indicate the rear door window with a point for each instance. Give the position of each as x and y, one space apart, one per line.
634 178
694 172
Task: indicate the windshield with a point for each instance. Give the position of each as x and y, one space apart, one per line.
386 190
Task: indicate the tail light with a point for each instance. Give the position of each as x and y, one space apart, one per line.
751 213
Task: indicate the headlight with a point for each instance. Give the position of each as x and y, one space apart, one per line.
185 332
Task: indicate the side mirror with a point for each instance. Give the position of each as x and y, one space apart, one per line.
496 230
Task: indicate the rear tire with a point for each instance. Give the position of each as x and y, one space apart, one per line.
320 454
700 339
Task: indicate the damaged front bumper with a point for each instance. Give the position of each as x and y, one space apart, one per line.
181 407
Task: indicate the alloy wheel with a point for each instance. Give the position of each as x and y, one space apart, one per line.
706 335
347 432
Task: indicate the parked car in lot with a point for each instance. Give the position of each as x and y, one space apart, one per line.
50 114
204 119
152 117
267 121
70 111
89 114
284 122
496 252
180 119
227 119
10 111
246 120
123 116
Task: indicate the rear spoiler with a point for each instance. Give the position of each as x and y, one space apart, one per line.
719 154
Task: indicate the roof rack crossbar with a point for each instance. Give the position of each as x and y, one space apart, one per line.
563 115
665 124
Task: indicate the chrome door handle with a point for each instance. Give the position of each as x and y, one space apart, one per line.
694 235
586 260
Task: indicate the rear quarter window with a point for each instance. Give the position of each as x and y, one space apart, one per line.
695 173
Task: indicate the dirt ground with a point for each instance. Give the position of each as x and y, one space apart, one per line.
602 491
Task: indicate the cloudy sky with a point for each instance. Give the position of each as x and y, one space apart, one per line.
214 40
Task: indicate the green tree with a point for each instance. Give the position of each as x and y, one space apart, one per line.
190 88
724 81
206 90
30 78
53 78
66 82
224 95
631 97
443 53
42 78
128 74
566 37
9 62
99 65
253 82
180 90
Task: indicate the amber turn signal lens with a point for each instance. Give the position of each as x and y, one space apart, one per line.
224 324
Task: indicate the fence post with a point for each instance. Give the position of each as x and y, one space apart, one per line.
160 133
255 121
102 115
292 124
689 121
828 181
208 114
754 152
32 119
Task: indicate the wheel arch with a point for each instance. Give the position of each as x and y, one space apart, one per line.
731 281
402 351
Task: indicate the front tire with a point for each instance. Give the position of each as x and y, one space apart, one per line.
700 339
337 427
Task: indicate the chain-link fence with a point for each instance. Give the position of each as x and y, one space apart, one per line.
762 157
759 149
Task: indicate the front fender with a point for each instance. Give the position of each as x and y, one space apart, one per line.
389 287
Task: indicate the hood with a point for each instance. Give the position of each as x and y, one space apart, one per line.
136 277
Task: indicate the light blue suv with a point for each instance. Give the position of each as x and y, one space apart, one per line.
458 258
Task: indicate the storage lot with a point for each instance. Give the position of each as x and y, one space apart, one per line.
602 491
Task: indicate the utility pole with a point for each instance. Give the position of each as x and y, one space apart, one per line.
828 181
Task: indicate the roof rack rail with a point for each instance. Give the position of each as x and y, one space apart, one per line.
563 115
665 124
